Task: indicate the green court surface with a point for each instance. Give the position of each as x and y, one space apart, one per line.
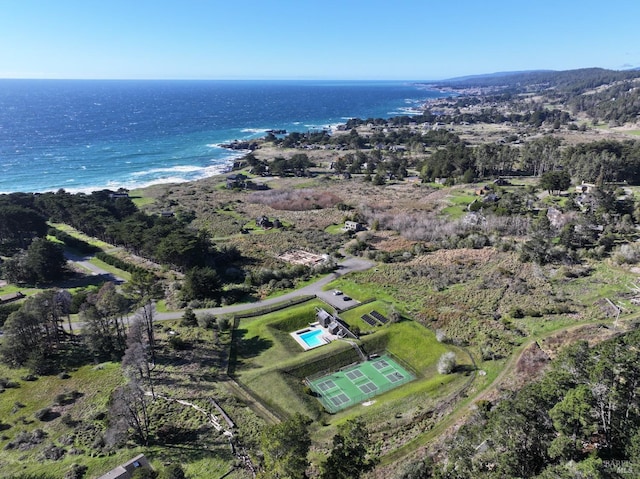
359 382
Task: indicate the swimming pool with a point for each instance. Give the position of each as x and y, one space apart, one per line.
312 338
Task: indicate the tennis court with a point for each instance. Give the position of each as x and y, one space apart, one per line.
359 382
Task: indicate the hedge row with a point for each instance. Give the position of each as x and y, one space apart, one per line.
72 242
328 362
118 263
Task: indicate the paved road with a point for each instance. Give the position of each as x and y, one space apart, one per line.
83 262
349 265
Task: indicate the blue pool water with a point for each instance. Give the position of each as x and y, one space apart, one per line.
312 338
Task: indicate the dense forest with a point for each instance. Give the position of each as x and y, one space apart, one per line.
582 419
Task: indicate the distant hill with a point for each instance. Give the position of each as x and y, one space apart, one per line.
485 76
574 81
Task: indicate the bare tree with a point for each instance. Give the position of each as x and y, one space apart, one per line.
130 408
137 363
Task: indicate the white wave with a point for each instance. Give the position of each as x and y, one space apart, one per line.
254 130
406 111
318 127
177 174
173 169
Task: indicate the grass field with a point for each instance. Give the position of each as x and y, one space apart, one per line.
77 234
459 200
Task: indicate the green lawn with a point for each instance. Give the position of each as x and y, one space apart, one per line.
139 199
335 229
77 234
459 200
360 291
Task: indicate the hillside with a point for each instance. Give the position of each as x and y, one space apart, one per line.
496 234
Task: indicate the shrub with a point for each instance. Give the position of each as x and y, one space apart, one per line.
174 471
52 452
77 471
8 384
447 363
207 321
67 420
628 253
189 318
44 414
179 344
224 322
441 336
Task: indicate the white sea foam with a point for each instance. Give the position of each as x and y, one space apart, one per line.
254 130
173 169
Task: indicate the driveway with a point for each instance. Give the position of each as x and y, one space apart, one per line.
347 266
83 262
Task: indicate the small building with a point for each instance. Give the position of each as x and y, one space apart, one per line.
118 194
585 188
323 317
126 470
353 226
10 297
264 222
236 181
334 328
491 198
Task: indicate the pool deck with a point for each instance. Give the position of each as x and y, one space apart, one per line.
326 336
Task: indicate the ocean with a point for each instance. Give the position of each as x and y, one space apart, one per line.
86 135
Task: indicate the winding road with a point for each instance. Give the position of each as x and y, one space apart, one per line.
349 265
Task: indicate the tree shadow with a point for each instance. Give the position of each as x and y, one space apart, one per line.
250 347
245 348
465 368
191 453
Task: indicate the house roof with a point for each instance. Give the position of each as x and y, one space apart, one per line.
126 470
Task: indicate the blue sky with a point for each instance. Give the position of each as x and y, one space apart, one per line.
329 39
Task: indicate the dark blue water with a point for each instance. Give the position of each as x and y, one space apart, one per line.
87 135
